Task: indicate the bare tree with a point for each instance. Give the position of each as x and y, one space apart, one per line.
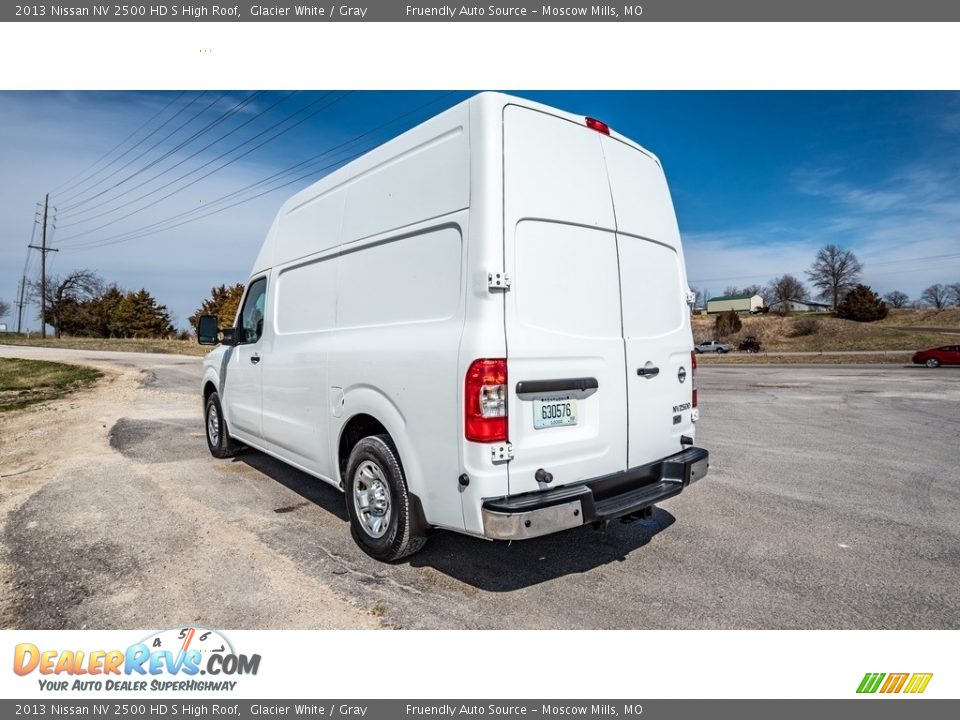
834 272
760 290
66 290
936 295
785 288
731 290
896 299
4 309
954 290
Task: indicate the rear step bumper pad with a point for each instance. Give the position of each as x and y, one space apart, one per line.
529 515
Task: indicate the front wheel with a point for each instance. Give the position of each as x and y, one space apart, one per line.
218 439
378 503
932 363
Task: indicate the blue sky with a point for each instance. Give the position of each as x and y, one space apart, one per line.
760 180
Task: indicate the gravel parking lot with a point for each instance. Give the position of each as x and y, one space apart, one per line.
833 501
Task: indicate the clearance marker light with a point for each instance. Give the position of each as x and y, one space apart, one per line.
600 127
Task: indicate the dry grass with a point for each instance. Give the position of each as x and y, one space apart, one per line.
25 382
892 358
907 330
946 318
176 347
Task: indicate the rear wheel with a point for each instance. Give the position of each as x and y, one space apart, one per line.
932 363
218 439
378 504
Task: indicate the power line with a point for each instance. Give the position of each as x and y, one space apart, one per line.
73 193
222 155
155 227
60 188
170 134
235 109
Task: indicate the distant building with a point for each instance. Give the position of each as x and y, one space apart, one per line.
740 303
800 306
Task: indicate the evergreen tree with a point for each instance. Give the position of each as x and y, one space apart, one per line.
139 316
223 302
863 305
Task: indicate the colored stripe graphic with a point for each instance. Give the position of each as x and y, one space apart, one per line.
918 683
870 682
894 682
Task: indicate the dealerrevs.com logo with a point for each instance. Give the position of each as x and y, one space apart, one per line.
912 683
167 660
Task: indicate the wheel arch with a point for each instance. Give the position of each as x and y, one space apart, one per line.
364 424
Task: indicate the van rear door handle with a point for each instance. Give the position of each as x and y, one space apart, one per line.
254 358
648 372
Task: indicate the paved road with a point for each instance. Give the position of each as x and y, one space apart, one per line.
833 501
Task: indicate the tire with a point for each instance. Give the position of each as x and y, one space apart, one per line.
378 504
932 363
219 442
721 351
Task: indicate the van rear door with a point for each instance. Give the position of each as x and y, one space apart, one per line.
565 354
597 327
656 319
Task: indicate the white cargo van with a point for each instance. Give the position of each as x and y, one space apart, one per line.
481 326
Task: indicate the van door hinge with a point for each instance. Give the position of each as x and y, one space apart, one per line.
498 281
501 453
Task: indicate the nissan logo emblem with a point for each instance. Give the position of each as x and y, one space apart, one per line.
682 374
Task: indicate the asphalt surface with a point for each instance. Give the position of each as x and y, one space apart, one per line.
833 501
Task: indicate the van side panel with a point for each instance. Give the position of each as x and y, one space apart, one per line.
428 181
301 318
399 320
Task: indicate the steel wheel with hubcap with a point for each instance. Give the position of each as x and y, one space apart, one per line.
371 499
219 442
378 503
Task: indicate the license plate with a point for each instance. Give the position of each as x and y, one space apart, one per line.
554 412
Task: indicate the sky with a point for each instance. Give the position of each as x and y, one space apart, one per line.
175 191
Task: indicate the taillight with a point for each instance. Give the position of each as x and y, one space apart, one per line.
693 375
485 401
598 125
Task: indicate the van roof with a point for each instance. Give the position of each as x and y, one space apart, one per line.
485 103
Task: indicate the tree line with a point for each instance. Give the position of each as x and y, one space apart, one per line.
82 304
835 274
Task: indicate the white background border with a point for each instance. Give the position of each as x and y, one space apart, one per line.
448 664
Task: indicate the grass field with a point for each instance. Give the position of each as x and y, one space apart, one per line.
902 330
176 347
25 382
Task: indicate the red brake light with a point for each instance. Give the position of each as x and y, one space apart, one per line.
485 401
693 376
597 125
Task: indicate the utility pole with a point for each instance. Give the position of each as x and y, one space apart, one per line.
43 268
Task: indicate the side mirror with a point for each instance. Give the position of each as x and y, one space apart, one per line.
207 330
209 334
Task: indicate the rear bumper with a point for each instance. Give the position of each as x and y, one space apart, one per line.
529 515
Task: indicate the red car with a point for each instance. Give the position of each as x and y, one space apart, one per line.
935 357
